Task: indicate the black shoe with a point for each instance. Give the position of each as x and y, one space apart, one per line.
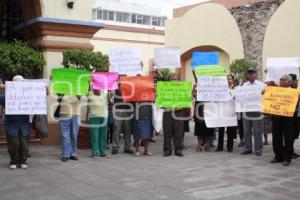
64 159
218 150
114 151
129 151
246 152
230 150
297 155
73 158
179 154
241 144
286 163
274 161
294 156
166 154
153 141
258 153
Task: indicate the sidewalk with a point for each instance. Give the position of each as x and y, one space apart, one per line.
202 176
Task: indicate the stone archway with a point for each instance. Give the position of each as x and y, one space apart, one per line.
186 70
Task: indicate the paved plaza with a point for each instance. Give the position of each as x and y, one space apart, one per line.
202 176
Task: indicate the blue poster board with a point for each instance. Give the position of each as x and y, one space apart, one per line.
205 58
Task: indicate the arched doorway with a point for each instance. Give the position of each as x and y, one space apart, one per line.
186 58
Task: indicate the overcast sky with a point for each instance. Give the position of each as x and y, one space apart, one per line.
166 6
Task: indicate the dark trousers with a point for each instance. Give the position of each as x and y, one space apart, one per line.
241 129
283 137
17 147
231 134
173 128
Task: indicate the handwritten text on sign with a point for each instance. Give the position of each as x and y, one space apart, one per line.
205 58
167 57
105 80
70 81
125 61
277 67
174 94
280 101
210 70
25 98
220 114
248 98
211 88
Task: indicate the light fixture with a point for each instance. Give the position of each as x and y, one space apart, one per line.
70 3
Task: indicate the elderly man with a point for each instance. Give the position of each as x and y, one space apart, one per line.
17 129
283 132
253 121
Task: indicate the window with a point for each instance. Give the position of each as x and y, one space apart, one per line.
126 17
105 15
133 18
154 21
111 16
139 19
118 16
99 14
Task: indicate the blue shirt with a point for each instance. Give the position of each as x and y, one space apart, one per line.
15 124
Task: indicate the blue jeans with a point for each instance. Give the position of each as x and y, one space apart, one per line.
253 127
69 128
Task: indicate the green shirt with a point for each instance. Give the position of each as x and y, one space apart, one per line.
98 105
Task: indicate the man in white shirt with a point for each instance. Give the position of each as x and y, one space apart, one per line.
253 121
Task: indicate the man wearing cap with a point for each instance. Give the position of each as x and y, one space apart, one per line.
253 121
17 129
296 118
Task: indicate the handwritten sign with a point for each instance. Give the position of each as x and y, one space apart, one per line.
167 57
210 70
137 88
25 98
248 98
174 94
70 81
220 114
205 58
105 80
42 81
277 67
125 61
280 101
210 88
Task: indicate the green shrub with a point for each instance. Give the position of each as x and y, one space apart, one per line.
85 59
17 58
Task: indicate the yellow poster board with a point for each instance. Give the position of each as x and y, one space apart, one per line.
280 101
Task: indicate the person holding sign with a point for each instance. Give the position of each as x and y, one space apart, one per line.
283 130
17 129
173 127
253 120
296 117
69 123
98 118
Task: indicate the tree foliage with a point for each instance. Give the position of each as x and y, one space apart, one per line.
85 59
17 58
239 67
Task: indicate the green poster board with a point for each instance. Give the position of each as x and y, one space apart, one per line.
174 94
210 70
70 81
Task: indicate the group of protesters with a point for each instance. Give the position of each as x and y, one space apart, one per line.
110 119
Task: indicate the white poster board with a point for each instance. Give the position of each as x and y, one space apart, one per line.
125 61
277 67
25 98
167 57
248 98
213 88
220 114
41 81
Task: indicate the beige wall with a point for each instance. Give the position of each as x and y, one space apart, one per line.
206 25
82 9
105 39
282 38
